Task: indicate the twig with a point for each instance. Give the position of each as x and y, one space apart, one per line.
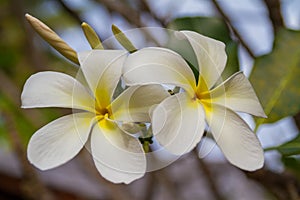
297 120
75 15
117 192
163 177
129 14
208 176
275 14
234 30
150 187
146 8
283 186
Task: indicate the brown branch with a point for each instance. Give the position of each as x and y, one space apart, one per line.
127 12
146 8
164 179
275 14
208 176
116 191
283 186
71 12
11 189
150 187
234 30
297 120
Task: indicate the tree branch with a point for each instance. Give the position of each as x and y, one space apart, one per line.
208 176
297 120
116 191
127 12
283 186
146 8
275 14
72 13
234 30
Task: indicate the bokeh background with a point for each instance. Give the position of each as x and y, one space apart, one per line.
262 40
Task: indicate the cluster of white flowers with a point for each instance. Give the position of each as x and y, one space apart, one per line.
178 121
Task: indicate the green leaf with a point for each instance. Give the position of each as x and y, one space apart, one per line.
275 77
215 28
292 164
289 148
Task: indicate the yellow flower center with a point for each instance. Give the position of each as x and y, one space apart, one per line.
103 113
202 91
202 94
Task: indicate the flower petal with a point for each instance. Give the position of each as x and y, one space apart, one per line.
134 103
59 141
239 144
102 70
117 156
178 123
210 54
158 65
237 94
54 89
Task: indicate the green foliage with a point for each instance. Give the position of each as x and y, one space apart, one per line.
215 28
275 77
292 164
289 148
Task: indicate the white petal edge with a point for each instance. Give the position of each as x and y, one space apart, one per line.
55 89
59 141
211 56
155 65
134 103
239 144
118 157
237 94
102 70
178 123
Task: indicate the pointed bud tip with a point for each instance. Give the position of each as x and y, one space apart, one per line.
28 16
115 29
84 24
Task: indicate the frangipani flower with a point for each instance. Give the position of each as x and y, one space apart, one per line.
178 122
119 157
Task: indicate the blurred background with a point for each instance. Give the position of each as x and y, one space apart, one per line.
262 39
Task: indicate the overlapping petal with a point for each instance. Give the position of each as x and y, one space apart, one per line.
237 94
134 103
59 141
156 66
239 144
54 89
102 70
117 156
178 123
211 56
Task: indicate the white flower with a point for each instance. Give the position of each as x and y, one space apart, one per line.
178 122
118 156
